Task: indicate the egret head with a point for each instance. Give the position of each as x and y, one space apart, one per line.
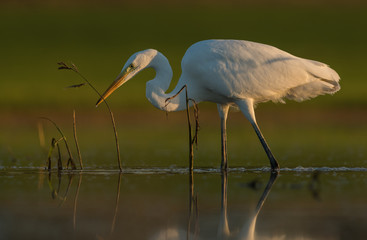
137 62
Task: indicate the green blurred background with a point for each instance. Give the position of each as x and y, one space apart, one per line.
99 36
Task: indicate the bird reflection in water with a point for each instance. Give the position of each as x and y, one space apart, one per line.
192 229
248 230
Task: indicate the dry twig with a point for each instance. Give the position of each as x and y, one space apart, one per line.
194 139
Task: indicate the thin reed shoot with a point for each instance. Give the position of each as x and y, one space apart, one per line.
76 141
73 68
70 160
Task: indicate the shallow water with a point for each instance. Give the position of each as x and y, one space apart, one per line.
301 203
155 196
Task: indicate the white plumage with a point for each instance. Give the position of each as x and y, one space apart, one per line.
231 72
242 69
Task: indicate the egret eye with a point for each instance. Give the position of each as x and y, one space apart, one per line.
132 66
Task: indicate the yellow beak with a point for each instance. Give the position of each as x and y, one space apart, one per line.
121 79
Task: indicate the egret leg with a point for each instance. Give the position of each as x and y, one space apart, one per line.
247 108
223 114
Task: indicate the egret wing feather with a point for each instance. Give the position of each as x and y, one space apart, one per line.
225 70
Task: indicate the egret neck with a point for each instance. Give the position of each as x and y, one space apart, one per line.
156 88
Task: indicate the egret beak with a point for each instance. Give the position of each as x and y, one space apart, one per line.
121 79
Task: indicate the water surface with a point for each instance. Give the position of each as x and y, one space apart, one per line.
300 203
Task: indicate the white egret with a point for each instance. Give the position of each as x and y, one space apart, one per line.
231 72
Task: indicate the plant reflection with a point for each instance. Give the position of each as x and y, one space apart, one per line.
192 231
76 200
55 193
193 208
116 203
315 186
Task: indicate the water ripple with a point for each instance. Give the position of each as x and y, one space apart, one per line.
147 171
